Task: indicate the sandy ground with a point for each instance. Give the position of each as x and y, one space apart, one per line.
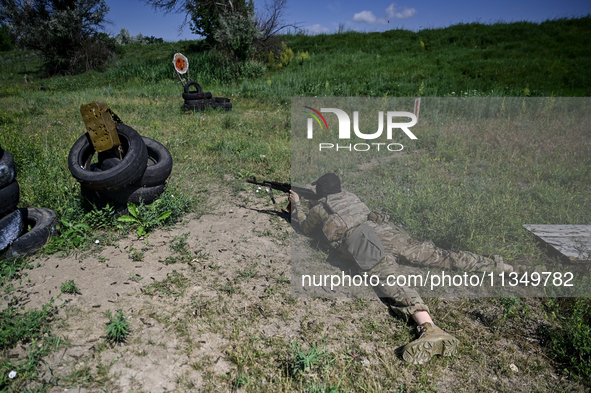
226 240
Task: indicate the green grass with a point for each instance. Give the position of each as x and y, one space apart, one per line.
515 59
179 244
175 284
31 329
474 183
570 342
17 326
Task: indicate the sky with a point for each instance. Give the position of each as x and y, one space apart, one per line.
371 15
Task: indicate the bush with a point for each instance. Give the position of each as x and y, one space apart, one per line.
286 55
64 33
94 54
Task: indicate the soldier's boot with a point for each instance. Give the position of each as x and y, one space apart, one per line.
432 341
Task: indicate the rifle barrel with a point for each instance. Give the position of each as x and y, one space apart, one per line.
285 187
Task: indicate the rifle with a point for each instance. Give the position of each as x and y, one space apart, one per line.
285 187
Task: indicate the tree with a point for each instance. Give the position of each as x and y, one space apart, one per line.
5 41
270 22
205 17
65 33
237 31
125 38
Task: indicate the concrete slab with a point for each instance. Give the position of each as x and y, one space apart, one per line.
570 241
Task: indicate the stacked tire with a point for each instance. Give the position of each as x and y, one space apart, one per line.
22 231
138 177
197 100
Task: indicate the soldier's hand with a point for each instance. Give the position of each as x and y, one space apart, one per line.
293 196
378 217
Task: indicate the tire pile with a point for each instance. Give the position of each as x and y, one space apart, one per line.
198 100
22 231
139 177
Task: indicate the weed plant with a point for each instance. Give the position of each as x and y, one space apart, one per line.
118 328
301 361
70 287
143 218
146 218
241 380
248 272
101 218
136 256
72 235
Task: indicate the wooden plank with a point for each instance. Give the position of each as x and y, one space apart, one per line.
570 241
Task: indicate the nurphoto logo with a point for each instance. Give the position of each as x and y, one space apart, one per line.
344 131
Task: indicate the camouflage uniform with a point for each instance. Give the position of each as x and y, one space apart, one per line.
398 242
398 245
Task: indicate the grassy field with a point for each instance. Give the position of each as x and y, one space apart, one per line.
462 189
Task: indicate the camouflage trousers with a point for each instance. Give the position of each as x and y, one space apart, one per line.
404 301
426 254
401 247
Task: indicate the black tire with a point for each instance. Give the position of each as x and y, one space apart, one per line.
158 169
197 96
221 105
159 164
193 84
9 198
92 198
11 228
42 222
7 169
130 169
198 107
134 194
220 99
196 102
107 160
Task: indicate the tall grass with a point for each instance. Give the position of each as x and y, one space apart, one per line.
513 59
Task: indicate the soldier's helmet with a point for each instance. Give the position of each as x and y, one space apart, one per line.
327 184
